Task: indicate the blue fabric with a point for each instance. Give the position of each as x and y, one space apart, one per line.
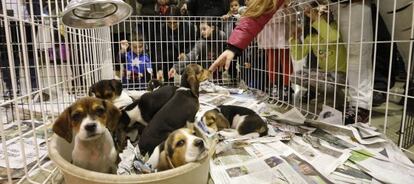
143 60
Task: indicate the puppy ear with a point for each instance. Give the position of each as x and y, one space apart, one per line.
204 75
63 127
113 113
92 90
194 85
117 86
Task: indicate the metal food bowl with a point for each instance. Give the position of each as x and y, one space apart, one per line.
95 13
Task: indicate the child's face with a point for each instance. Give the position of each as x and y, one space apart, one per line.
137 47
172 23
206 30
234 7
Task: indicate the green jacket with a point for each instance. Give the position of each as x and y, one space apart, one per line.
324 45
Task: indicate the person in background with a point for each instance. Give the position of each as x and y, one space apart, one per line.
162 7
205 50
243 8
18 11
138 63
257 14
355 25
234 10
273 38
322 41
177 36
207 7
148 7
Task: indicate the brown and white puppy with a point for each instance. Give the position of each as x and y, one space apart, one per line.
242 119
180 148
111 90
88 123
181 108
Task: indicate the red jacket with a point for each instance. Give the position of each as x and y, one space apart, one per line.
247 30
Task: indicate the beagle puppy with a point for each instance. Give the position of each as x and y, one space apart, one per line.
180 109
180 147
88 123
110 90
135 117
243 120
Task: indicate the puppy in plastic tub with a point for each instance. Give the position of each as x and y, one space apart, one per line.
63 150
60 152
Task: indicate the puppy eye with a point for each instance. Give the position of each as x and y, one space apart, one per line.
76 116
100 111
180 143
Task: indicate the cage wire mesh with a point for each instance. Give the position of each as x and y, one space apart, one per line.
354 57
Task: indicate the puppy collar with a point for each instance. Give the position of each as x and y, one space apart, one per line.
183 89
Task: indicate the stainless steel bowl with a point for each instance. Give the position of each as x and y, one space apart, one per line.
95 13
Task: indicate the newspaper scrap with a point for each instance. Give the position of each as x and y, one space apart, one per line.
12 132
350 173
17 158
209 87
306 170
293 117
348 132
132 162
326 159
281 127
330 115
381 168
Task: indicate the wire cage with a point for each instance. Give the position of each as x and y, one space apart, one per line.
311 54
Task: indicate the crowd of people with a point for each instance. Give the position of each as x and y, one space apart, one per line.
335 38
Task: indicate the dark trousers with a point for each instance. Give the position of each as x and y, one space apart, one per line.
17 53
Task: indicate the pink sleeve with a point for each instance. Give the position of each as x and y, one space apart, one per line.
248 28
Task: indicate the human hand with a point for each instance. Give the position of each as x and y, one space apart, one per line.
247 65
171 73
223 60
124 46
181 57
225 17
160 75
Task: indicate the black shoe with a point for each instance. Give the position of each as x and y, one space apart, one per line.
351 115
378 99
311 94
9 94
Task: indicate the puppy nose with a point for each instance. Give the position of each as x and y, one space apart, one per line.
199 143
90 127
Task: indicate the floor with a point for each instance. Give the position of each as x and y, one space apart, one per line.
391 120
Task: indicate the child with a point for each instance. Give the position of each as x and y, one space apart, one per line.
162 7
138 64
234 10
206 49
322 41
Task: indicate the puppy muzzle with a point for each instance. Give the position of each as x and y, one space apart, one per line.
203 150
92 130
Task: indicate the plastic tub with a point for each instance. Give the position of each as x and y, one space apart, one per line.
60 153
